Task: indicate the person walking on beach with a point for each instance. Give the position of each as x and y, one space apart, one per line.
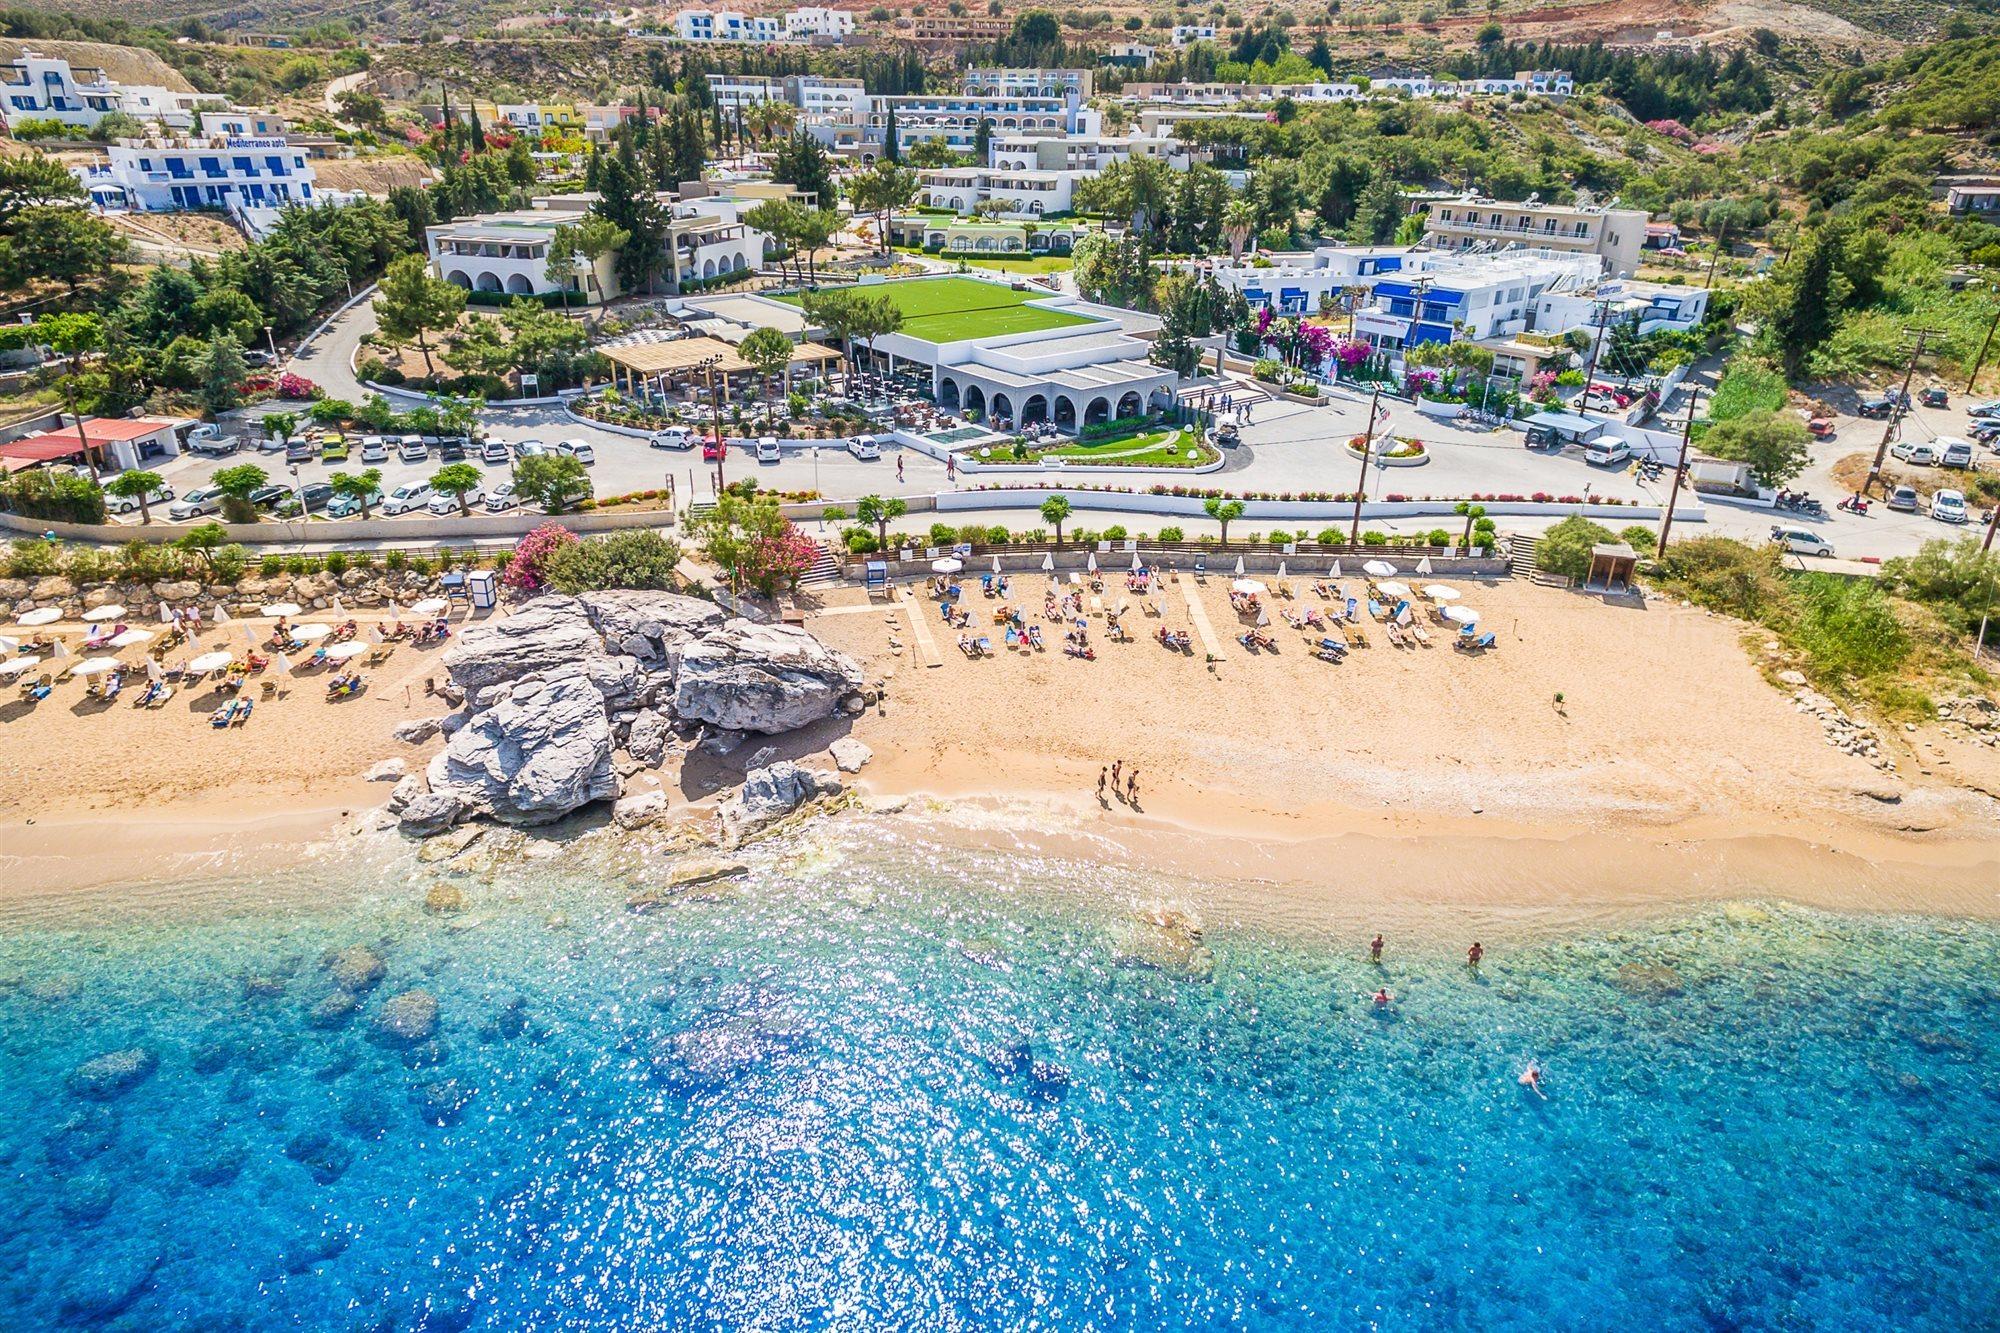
1474 954
1375 950
1116 766
899 467
1132 789
1102 773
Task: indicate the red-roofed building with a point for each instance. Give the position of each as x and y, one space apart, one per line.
122 443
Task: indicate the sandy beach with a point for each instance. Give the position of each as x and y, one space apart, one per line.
1670 771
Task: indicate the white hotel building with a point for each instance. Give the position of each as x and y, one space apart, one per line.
39 87
729 25
234 175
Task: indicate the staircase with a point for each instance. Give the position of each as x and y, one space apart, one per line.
1521 553
825 567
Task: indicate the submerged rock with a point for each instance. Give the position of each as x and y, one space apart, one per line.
410 1017
217 1166
443 1102
87 1134
106 1288
1168 940
334 1011
443 899
87 1200
324 1157
684 876
113 1074
1655 981
358 968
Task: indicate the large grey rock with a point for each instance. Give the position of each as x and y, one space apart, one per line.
632 812
358 968
849 754
409 1017
772 792
409 789
647 738
766 678
418 730
389 770
651 626
547 633
432 813
534 758
619 679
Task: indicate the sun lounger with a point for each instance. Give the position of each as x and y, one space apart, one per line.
1353 612
1401 615
243 714
224 715
1473 643
1395 635
1422 635
1374 609
1034 636
1200 568
1330 649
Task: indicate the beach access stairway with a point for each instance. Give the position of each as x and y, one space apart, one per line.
825 567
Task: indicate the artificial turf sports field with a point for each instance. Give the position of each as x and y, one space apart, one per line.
944 310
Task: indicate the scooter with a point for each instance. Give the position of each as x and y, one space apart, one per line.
1853 504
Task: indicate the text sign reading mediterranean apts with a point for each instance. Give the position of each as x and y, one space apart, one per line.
257 143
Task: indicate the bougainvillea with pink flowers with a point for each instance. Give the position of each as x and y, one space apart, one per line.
780 559
526 571
296 386
1352 352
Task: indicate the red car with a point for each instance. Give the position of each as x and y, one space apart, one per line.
711 451
1821 427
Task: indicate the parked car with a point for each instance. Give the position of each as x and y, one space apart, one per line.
311 498
1801 541
864 447
1986 411
1904 499
345 506
452 450
493 451
502 498
530 449
202 500
300 450
444 505
125 504
1953 452
673 437
256 359
1879 406
265 497
1948 507
767 449
411 450
1822 428
333 449
1606 453
403 499
1934 396
712 451
1919 455
580 450
374 449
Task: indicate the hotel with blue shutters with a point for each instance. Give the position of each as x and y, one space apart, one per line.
231 175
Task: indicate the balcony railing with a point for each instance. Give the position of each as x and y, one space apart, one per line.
1506 229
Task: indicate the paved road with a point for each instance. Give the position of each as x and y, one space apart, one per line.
327 361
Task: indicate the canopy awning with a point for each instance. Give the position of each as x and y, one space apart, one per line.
1567 422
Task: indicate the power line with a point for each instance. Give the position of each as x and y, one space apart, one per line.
1921 337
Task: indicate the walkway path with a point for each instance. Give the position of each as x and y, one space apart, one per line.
927 650
1198 614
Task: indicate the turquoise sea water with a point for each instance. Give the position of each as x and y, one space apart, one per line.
882 1086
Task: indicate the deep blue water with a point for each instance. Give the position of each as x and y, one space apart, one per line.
912 1091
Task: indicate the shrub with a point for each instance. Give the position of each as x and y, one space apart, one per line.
1439 537
527 571
336 562
270 564
395 559
1565 548
998 535
973 534
1331 537
1115 533
636 558
1374 537
943 534
1279 537
1172 534
1639 537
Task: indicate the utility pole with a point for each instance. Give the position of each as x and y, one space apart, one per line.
1980 360
1680 470
1992 523
1597 347
1367 443
1716 258
1922 336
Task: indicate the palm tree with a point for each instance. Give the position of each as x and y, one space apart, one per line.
1054 510
136 486
1239 222
360 487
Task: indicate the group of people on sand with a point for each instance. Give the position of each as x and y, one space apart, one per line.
1110 778
1531 1077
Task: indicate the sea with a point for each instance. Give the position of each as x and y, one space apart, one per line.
881 1081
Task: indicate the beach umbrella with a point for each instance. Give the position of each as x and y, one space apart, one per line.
166 613
1281 569
8 645
1049 563
59 649
430 606
1137 564
281 609
950 564
1440 592
1378 569
281 664
996 564
338 609
1464 615
340 652
19 664
250 635
1263 617
1239 566
221 616
208 662
1250 587
1396 589
94 666
1424 565
308 633
1090 562
109 611
43 615
1334 573
153 672
375 634
130 637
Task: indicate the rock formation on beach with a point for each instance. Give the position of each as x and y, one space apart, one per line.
551 693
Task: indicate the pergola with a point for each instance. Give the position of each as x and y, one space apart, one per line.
638 365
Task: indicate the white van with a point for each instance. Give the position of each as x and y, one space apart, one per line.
1953 452
1606 453
406 498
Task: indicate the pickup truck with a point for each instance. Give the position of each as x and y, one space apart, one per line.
209 440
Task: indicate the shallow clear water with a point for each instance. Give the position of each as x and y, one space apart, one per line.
898 1088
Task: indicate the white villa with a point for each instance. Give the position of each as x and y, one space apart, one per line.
39 87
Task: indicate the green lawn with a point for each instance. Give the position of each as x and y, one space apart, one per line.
951 309
1146 449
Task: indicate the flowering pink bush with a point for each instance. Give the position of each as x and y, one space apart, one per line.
1673 129
296 386
1315 345
1351 352
783 558
525 572
1264 319
1421 381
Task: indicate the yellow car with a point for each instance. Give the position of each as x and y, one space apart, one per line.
333 448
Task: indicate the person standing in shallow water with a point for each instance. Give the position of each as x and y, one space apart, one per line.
1375 950
1474 954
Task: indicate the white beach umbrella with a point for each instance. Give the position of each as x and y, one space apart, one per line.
996 564
1239 566
375 635
166 613
208 662
1464 615
1090 562
950 564
281 609
430 606
1263 617
1049 563
1396 589
308 633
1424 565
59 649
1440 592
1250 587
19 664
153 672
340 652
338 609
41 615
281 664
94 666
109 611
1137 563
130 637
8 645
1281 569
250 635
221 616
1378 569
1334 573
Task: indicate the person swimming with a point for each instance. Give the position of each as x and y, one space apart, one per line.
1531 1079
1382 998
